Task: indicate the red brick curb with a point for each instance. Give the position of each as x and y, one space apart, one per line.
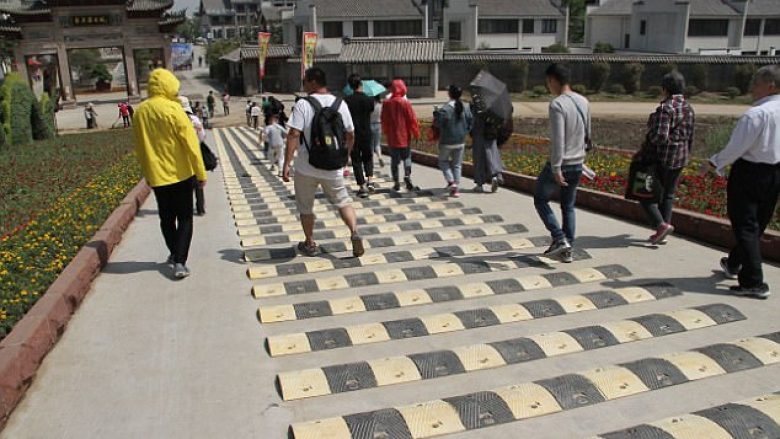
705 228
23 350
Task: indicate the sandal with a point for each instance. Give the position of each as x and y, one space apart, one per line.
357 246
307 250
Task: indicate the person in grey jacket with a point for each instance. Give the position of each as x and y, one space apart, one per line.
454 121
569 122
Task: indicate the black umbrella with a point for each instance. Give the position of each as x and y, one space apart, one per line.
489 95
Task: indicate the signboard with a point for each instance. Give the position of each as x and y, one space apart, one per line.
90 20
309 48
263 39
181 56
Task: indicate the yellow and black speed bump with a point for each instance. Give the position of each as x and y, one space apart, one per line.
318 265
527 400
365 215
410 204
426 325
464 359
415 297
433 271
749 419
256 255
376 210
467 220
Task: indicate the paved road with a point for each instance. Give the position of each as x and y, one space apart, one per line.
450 324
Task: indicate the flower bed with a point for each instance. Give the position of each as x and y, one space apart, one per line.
72 205
702 194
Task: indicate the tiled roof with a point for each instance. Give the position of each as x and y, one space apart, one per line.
17 7
711 8
366 8
274 51
614 7
607 57
171 20
528 8
234 56
764 7
148 5
402 50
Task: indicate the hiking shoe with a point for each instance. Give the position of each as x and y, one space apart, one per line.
567 257
727 272
180 271
362 192
759 292
557 248
357 246
494 185
307 249
397 186
661 233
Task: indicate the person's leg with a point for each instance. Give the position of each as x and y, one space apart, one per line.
395 160
545 186
336 191
669 180
572 175
456 162
444 164
305 188
406 155
167 216
367 155
280 157
357 165
183 208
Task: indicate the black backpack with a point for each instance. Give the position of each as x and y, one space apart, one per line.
209 159
327 149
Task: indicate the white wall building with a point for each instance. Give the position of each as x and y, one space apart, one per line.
686 26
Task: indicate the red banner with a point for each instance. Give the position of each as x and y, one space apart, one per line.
309 48
263 39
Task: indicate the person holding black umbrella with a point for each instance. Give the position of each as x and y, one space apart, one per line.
492 127
569 120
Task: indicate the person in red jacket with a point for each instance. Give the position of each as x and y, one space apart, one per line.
399 124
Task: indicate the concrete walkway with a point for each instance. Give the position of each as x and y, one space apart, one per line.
149 357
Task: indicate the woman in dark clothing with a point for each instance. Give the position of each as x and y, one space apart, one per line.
667 145
486 158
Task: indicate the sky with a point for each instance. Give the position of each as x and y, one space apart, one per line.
191 5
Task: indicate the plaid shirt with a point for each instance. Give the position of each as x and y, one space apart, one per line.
669 138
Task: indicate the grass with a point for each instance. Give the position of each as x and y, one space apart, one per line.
57 205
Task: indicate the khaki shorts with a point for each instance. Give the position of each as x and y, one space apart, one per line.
306 188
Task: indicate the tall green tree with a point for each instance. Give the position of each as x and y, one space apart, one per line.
576 20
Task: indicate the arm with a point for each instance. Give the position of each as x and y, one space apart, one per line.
557 138
350 141
412 118
745 134
293 141
187 136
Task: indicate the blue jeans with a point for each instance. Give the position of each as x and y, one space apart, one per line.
545 187
450 163
398 155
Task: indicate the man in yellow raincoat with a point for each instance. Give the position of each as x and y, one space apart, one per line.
169 152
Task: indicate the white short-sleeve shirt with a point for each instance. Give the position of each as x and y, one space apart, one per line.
301 119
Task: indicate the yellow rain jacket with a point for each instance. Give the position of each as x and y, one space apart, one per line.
165 140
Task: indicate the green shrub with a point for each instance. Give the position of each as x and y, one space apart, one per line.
616 89
632 74
691 90
579 88
743 75
698 76
555 48
733 92
655 91
603 48
43 119
667 68
599 73
19 102
539 90
519 75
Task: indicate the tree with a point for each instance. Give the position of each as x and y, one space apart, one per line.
576 20
220 48
190 29
83 61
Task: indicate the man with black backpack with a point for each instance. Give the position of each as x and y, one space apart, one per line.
322 133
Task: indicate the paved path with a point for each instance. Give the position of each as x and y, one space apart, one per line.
450 324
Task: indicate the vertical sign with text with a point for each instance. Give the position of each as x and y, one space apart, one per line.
307 54
263 39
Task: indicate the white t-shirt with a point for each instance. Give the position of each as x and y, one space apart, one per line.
256 111
302 115
275 134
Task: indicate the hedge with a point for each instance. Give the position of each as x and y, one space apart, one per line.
23 117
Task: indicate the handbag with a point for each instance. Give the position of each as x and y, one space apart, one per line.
642 184
209 159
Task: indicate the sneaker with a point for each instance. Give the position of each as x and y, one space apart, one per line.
362 192
454 190
371 186
759 292
170 261
409 185
661 233
307 249
357 245
727 272
567 257
494 185
557 248
273 168
180 271
397 186
478 189
381 163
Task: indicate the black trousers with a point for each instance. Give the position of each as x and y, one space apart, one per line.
753 189
174 203
362 159
659 212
